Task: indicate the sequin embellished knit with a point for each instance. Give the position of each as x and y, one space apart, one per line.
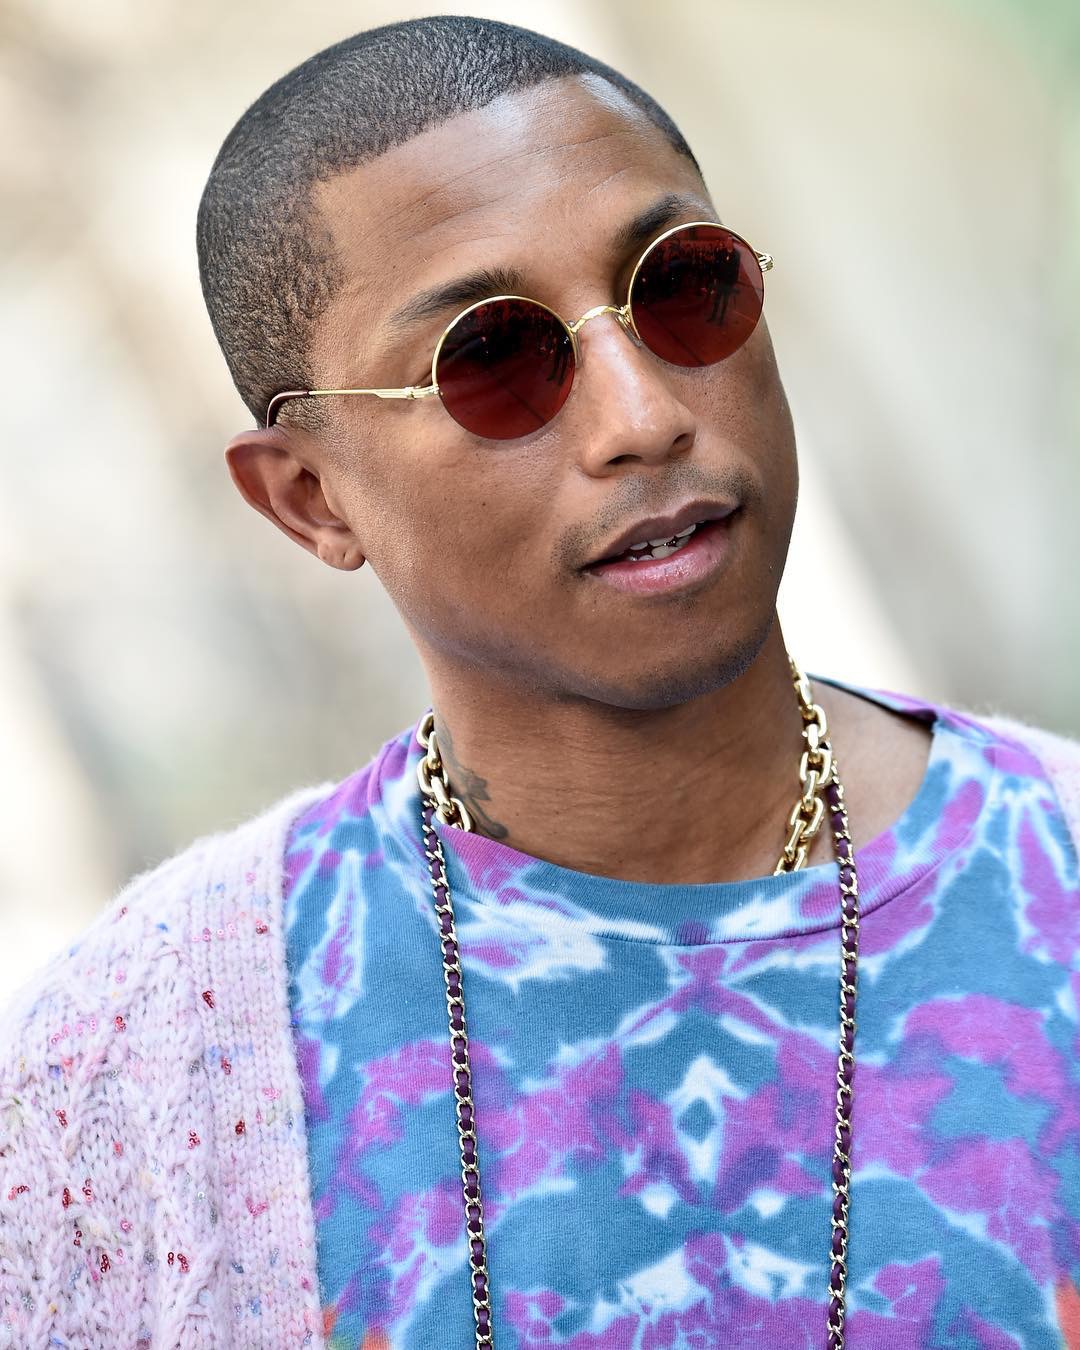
155 1184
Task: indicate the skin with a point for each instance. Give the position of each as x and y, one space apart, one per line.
648 738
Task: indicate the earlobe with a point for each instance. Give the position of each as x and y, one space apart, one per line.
346 557
277 482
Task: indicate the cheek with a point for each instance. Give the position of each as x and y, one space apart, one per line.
749 387
452 520
753 408
745 419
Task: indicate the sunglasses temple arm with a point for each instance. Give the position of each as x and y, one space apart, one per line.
412 392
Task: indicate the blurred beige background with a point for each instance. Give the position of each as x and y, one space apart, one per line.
169 663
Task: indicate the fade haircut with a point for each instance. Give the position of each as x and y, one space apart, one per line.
266 264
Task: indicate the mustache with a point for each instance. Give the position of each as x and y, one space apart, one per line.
641 495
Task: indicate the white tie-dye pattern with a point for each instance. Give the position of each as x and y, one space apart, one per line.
544 947
767 1202
766 1273
1065 1001
706 1082
345 920
635 1031
665 1285
658 1198
749 1035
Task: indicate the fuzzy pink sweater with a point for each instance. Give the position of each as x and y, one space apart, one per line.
154 1187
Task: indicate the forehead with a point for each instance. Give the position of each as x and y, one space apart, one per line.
528 182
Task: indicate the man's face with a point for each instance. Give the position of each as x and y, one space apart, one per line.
485 546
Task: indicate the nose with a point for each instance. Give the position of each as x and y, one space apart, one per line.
628 410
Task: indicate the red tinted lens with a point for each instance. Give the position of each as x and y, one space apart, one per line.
505 368
697 295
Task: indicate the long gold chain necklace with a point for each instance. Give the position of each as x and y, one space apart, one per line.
821 792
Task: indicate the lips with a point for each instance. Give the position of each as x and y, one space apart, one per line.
668 531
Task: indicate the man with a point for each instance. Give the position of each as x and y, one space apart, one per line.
597 1082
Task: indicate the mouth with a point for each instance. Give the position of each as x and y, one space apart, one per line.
677 555
662 536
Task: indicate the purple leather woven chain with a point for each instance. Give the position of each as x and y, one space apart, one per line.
845 1065
465 1111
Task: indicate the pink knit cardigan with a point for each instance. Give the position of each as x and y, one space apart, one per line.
154 1187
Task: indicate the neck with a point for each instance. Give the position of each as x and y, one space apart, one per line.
699 792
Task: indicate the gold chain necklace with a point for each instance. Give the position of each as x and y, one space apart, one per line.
821 792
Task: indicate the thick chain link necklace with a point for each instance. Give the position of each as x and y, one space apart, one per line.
821 791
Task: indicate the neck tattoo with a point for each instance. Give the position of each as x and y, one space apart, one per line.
821 792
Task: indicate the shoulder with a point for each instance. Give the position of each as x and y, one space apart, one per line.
375 791
887 720
149 918
883 740
120 991
106 1111
1057 756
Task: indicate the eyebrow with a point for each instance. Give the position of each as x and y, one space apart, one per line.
486 282
482 284
654 218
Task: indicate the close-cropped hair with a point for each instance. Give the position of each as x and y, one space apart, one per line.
267 266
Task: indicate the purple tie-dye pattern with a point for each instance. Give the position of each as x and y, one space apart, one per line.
654 1078
1053 914
985 1336
307 1058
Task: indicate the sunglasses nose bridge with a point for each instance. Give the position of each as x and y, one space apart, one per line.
621 312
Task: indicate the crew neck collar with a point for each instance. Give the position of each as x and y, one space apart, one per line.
499 883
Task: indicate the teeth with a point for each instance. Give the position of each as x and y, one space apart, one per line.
683 534
661 550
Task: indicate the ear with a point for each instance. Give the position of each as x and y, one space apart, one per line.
270 468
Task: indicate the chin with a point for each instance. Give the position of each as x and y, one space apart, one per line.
670 683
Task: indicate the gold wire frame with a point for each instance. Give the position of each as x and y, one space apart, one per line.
622 313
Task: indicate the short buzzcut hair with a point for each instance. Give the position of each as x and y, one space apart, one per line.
266 264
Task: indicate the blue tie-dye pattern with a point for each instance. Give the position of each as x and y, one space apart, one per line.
653 1071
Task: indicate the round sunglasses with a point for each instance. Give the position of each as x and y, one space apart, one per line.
505 366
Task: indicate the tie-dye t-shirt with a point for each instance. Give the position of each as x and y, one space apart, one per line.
654 1072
